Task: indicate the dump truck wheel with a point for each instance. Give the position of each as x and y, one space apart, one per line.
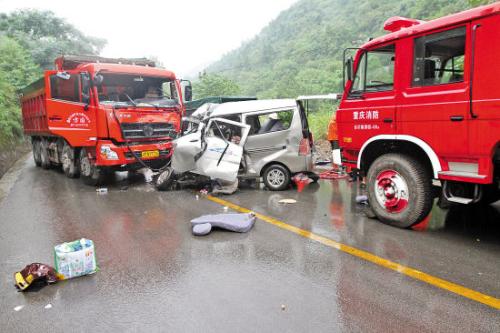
37 153
276 177
44 154
89 172
70 163
165 180
399 190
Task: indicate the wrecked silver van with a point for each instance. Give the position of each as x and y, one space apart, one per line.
245 140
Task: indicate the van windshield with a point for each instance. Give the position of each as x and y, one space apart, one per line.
137 91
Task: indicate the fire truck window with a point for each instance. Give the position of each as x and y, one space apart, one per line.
375 71
439 58
66 90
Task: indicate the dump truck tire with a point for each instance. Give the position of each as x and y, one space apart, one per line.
44 154
70 163
89 172
399 190
37 154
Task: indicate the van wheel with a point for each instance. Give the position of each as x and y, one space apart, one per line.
399 190
276 177
89 172
37 152
165 180
70 164
44 154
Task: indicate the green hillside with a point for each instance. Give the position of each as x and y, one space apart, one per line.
300 52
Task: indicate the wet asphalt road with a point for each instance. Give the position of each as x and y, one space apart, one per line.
156 276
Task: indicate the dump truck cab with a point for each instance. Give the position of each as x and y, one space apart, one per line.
420 104
93 114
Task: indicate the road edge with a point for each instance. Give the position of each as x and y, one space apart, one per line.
9 178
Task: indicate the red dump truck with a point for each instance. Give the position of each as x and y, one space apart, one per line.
92 115
421 110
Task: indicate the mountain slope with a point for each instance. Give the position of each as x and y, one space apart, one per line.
300 52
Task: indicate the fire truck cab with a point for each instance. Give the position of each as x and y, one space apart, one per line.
421 108
92 114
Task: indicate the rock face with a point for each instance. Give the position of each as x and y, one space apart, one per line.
9 155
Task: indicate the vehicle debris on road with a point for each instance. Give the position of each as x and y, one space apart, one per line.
287 201
237 222
73 259
35 273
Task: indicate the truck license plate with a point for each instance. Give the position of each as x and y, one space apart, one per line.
150 154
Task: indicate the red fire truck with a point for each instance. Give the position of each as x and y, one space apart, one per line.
421 110
92 114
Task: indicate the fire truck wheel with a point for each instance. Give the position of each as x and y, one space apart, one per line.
37 153
70 164
276 177
90 174
399 190
44 154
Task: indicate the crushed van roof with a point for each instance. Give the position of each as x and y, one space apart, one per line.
252 106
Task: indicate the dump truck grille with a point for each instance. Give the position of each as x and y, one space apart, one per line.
147 130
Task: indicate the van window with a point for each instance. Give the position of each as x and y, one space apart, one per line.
439 58
67 90
375 71
270 122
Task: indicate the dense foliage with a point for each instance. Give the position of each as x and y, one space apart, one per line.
29 41
214 85
300 52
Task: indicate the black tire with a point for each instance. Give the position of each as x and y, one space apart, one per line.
165 180
37 153
70 162
276 177
399 190
90 174
44 154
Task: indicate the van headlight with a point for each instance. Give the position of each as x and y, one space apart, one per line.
108 153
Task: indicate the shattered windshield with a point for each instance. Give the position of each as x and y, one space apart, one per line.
137 91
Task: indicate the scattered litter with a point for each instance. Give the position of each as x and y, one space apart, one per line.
75 258
301 180
35 273
197 197
333 174
225 187
48 306
204 191
18 308
478 240
124 188
323 162
226 208
202 229
283 307
102 190
233 222
362 200
287 201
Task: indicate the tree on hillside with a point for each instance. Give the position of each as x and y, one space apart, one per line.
47 36
214 85
16 64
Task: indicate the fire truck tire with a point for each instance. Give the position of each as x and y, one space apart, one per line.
89 172
70 163
37 153
44 154
399 190
276 177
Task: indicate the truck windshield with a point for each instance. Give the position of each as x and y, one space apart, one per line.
137 91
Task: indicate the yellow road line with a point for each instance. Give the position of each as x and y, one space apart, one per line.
411 272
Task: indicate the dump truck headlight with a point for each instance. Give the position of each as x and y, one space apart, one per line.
108 153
